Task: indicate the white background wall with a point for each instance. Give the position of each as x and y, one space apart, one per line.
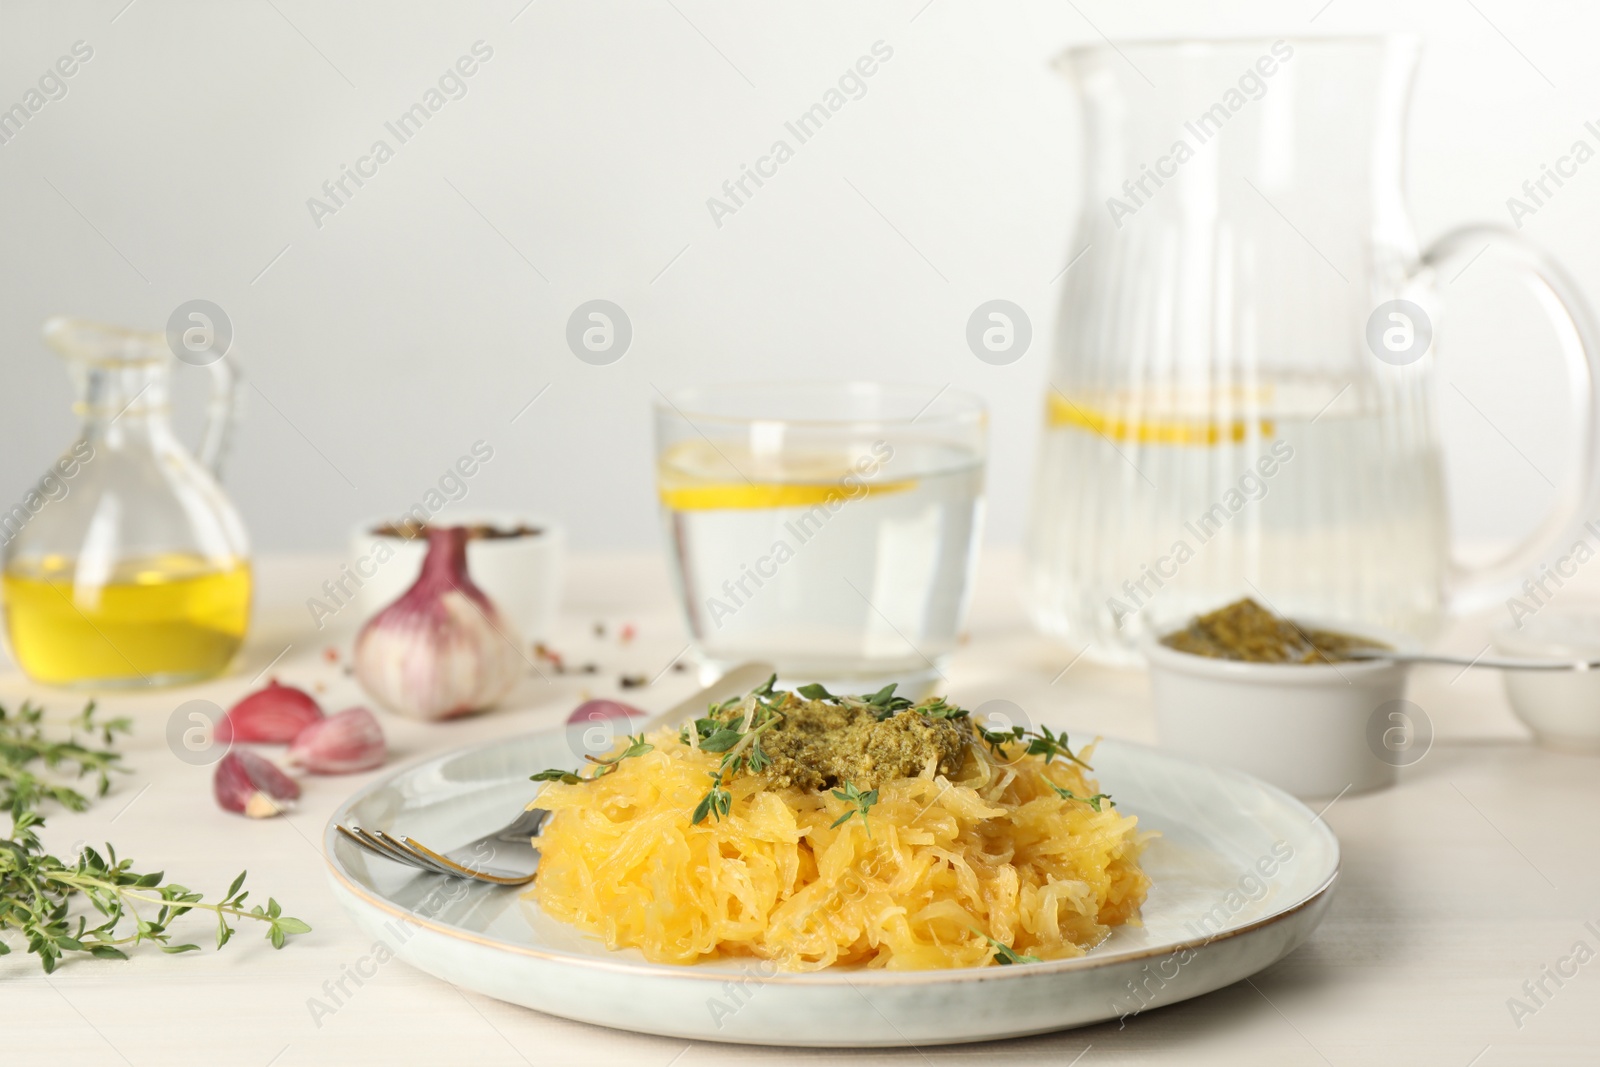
432 307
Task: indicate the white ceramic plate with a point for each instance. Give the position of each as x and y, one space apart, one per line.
1242 873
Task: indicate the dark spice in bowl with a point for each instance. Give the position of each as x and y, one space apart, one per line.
1248 632
412 530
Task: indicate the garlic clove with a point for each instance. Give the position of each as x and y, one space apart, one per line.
442 649
344 743
274 715
253 785
597 710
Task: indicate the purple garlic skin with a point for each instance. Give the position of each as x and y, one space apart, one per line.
442 649
253 785
274 715
345 743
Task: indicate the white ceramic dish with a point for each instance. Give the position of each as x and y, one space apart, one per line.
1316 730
522 575
1242 873
1562 708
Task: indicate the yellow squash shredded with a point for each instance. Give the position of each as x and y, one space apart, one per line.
938 868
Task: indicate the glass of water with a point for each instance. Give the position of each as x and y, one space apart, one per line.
828 529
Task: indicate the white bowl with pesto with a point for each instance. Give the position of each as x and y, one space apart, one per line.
1315 730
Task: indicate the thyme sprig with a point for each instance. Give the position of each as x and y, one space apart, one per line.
24 743
556 774
1094 801
734 728
604 765
38 889
1049 745
716 802
637 746
860 802
997 740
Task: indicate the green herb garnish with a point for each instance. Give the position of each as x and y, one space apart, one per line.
862 803
741 748
37 889
756 759
997 740
1094 801
1004 954
23 743
716 802
637 746
1051 745
555 774
938 709
886 702
721 740
1041 742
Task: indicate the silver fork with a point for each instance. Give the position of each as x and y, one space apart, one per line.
468 860
516 836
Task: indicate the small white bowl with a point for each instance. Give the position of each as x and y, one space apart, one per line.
1562 708
522 575
1315 730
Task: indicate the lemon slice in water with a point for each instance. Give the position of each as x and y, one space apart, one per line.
700 476
1155 429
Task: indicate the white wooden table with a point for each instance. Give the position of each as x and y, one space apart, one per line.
1474 875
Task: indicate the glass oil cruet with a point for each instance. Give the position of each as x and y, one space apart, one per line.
126 566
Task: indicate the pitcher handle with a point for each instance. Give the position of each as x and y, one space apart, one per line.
1475 587
227 382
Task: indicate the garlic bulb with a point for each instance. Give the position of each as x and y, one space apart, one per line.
443 649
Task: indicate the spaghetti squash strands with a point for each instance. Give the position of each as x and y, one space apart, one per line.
991 851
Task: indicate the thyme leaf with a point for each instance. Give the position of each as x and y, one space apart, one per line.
722 740
886 702
938 709
862 803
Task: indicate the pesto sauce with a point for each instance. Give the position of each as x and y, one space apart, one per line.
1248 632
822 745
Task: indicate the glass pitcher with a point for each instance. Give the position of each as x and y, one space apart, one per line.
126 565
1241 399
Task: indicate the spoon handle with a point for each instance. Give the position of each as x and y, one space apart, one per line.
1499 663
